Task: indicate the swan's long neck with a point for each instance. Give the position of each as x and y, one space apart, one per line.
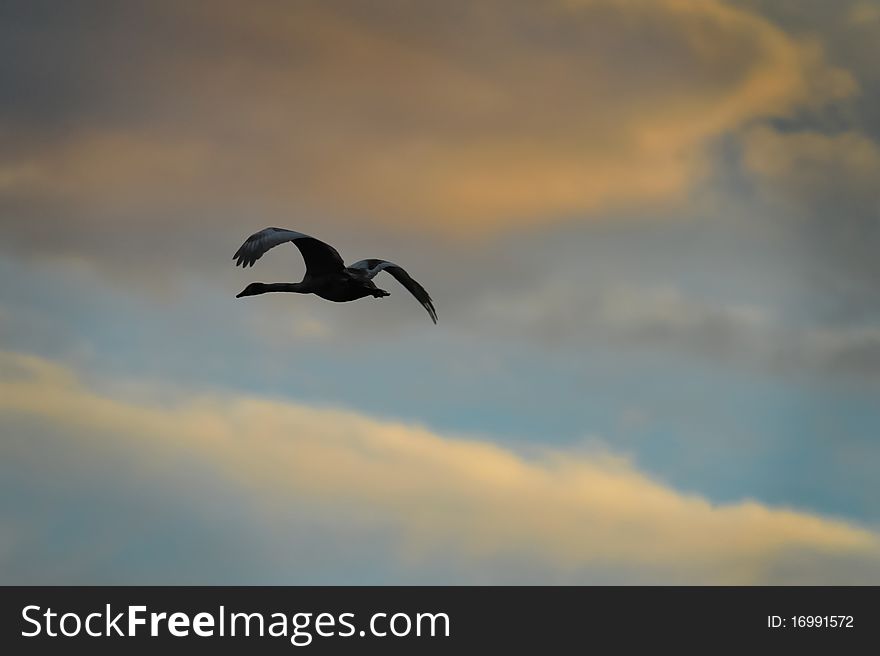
294 287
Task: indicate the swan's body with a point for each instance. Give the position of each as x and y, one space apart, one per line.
326 273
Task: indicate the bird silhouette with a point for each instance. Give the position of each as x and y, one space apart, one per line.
326 274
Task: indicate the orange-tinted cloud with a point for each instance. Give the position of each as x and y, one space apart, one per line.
461 118
441 494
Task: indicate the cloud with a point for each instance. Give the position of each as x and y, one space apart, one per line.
823 188
864 14
664 318
438 497
458 121
807 167
855 350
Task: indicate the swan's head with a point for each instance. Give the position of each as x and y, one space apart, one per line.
252 290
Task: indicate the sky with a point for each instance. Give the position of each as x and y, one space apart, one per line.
650 228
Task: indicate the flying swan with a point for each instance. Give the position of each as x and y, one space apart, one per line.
326 273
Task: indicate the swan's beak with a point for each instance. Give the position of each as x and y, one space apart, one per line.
252 290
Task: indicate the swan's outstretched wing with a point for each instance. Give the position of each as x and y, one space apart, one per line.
320 258
371 267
